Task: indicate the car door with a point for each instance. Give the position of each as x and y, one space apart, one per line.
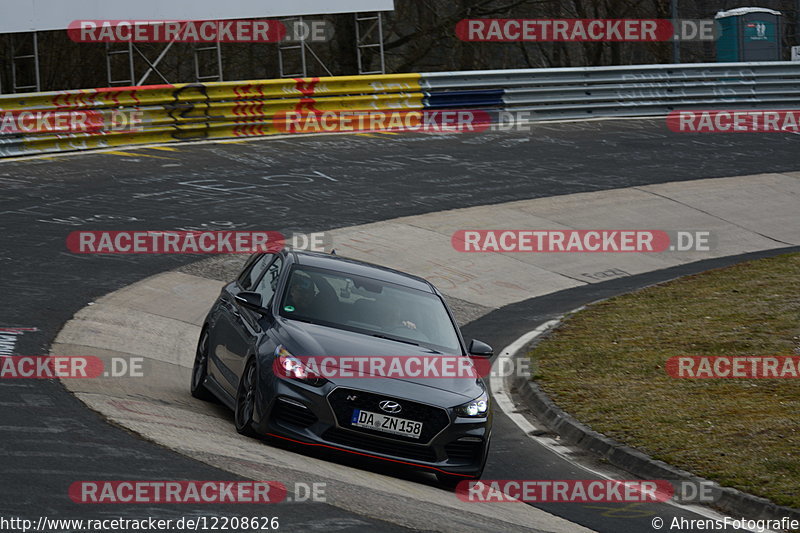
235 327
251 321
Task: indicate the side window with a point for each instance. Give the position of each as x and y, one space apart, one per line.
249 276
269 282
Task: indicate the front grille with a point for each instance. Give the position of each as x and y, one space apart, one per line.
464 450
291 413
384 446
344 401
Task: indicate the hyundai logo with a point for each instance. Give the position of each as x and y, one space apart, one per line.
390 407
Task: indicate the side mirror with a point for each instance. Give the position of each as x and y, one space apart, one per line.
251 300
480 349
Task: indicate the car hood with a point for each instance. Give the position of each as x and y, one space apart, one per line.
304 339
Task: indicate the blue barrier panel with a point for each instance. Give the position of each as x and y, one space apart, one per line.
477 98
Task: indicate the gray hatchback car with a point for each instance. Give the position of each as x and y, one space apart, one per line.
290 309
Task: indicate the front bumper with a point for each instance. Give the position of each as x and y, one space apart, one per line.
320 416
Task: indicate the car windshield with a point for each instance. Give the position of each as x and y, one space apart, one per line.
369 306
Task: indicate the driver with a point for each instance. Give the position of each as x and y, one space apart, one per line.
301 292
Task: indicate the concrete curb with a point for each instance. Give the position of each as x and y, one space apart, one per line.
731 501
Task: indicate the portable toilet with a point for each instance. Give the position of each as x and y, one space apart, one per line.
749 34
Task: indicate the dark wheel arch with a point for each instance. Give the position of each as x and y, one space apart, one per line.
200 369
245 401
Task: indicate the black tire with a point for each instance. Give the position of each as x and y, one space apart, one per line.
200 370
246 400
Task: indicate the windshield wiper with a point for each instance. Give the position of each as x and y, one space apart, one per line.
394 339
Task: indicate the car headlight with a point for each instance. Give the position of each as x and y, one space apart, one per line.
476 408
291 367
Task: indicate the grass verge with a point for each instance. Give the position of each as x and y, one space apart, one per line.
605 366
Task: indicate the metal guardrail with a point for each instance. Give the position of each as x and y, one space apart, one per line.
620 90
252 108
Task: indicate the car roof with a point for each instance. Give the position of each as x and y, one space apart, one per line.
360 268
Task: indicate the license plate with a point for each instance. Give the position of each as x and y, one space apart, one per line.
386 423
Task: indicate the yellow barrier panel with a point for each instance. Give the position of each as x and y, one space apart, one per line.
312 87
210 92
193 111
246 110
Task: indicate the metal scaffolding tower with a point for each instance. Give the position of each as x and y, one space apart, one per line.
19 60
216 49
288 49
369 36
126 53
300 48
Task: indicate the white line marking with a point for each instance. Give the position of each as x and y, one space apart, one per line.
504 402
318 173
8 341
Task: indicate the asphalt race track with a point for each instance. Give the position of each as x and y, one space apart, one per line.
49 439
